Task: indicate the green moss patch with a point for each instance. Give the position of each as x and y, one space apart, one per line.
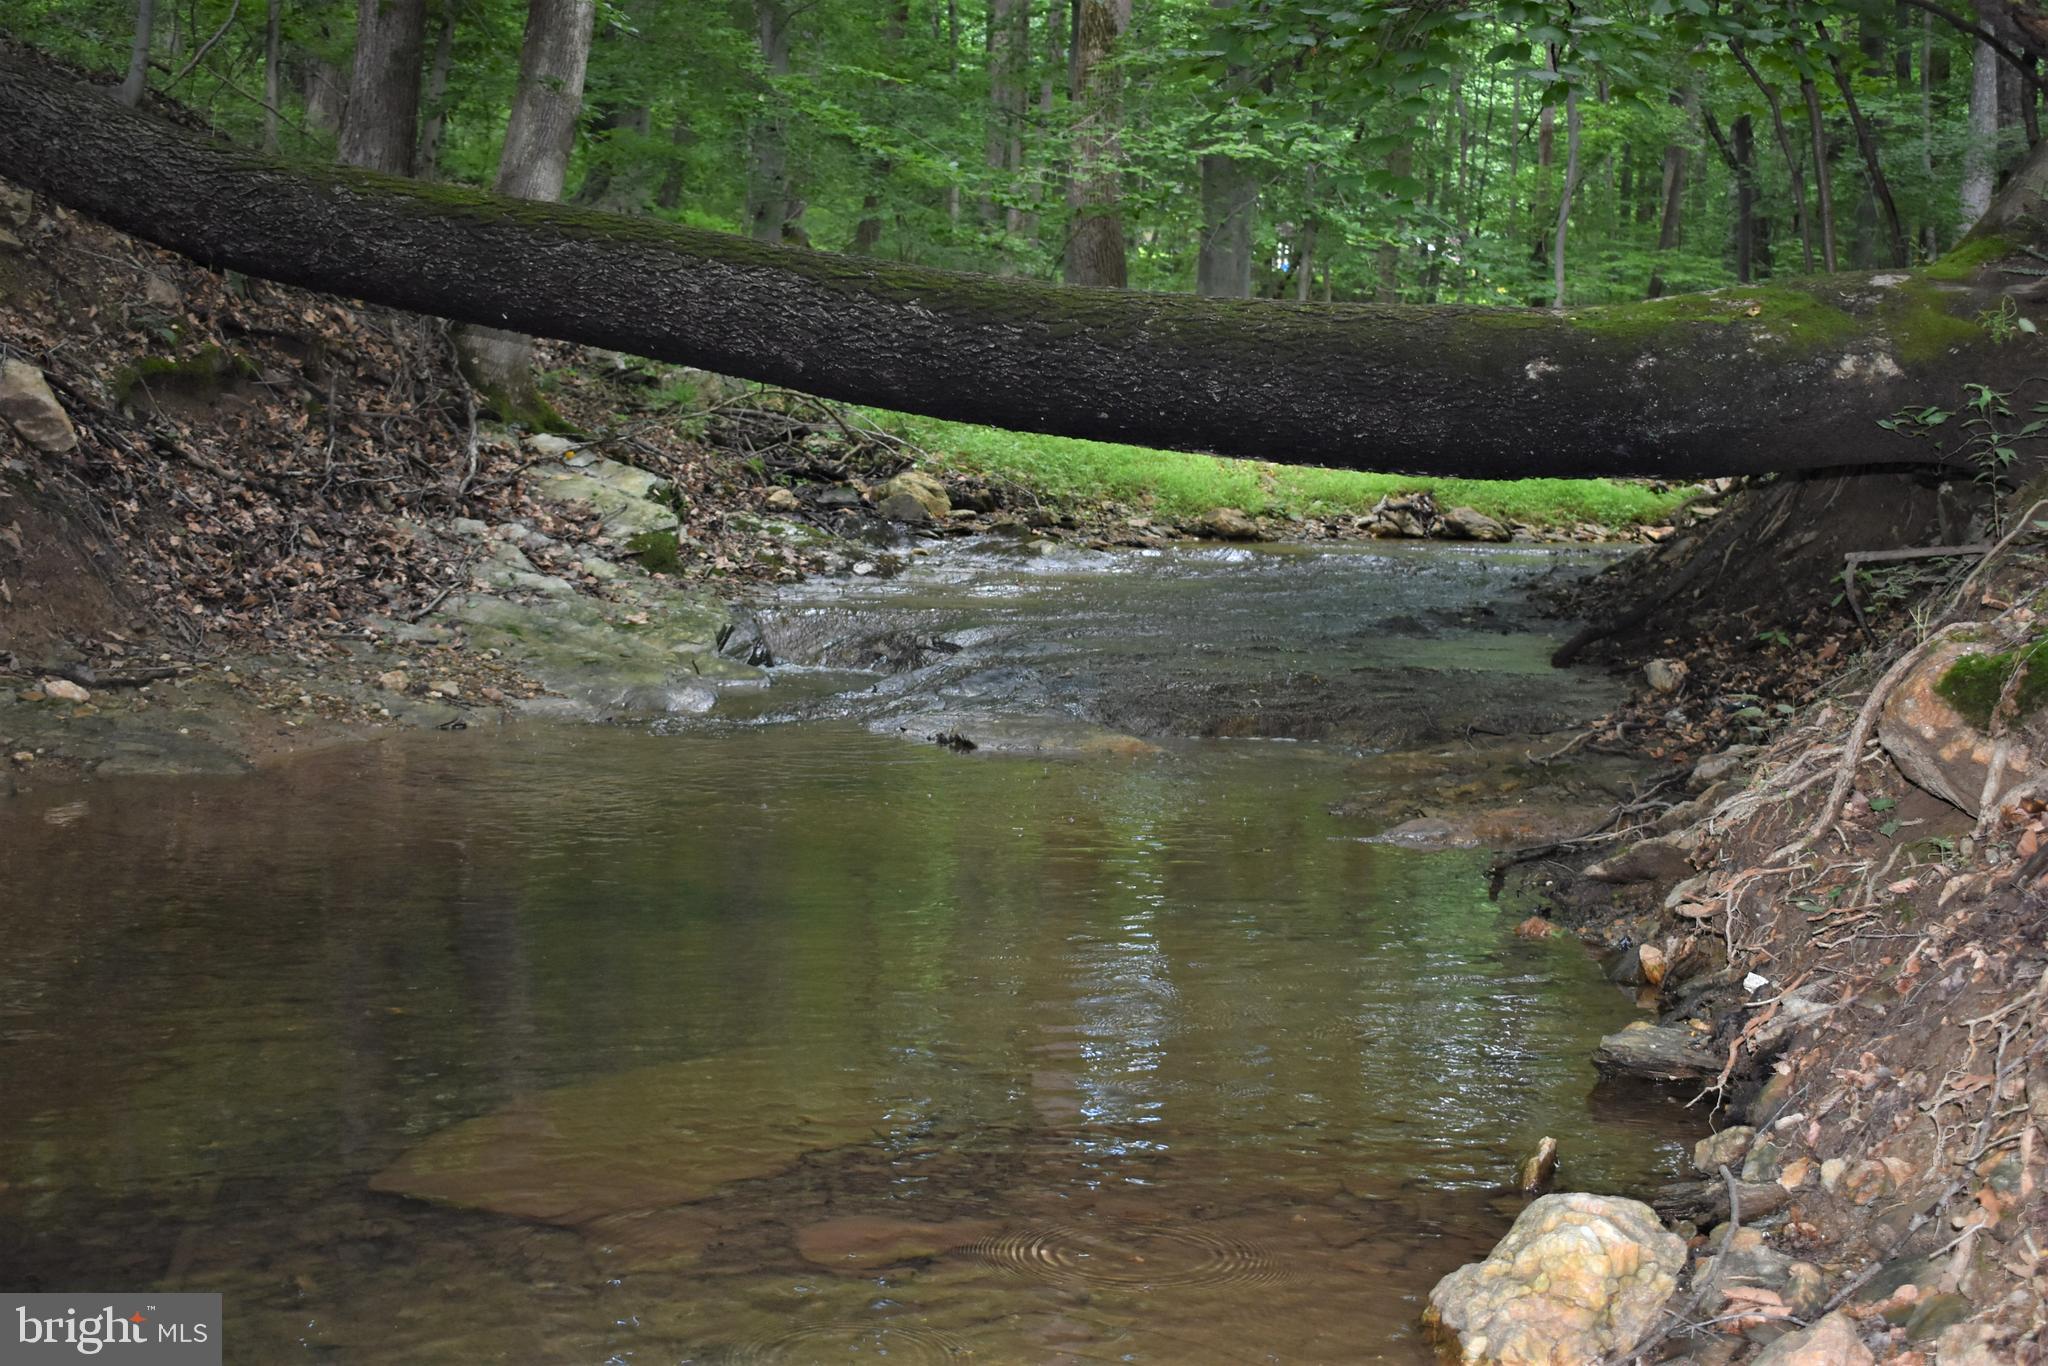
1974 683
659 552
206 374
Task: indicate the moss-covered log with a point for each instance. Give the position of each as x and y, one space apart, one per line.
1786 377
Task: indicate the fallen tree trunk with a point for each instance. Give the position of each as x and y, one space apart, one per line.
1745 380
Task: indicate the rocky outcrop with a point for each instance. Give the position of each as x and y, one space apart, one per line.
1577 1277
1934 745
1659 1052
28 406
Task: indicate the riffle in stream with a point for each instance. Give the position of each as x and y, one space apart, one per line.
774 1036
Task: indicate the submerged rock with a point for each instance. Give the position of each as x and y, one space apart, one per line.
860 1243
646 1139
1577 1277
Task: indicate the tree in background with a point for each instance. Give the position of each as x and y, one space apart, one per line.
380 130
539 134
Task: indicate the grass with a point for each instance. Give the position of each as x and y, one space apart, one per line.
1177 484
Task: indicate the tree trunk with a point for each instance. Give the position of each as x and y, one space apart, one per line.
1980 167
1230 201
1790 378
1005 88
273 74
1095 238
668 196
137 79
1866 142
538 138
429 160
380 131
1794 169
325 95
768 198
1743 160
1823 186
1571 185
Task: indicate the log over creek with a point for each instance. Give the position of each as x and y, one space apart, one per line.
1785 377
1136 1020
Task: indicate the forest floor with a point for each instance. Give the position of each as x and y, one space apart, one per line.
282 524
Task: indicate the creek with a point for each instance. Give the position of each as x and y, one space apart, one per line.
783 1034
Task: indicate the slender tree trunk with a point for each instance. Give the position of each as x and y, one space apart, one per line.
1930 236
1744 139
1866 142
436 123
1387 256
1230 201
1794 170
1823 187
325 94
273 74
137 79
668 196
539 136
1980 167
1095 238
1003 88
768 198
1564 199
381 129
1305 256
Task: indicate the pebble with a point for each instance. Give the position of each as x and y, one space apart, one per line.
64 690
394 681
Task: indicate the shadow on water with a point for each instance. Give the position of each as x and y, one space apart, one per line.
783 1043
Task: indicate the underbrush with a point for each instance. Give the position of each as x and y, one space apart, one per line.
1179 484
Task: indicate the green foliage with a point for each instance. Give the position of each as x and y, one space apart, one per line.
1974 683
1179 485
1398 147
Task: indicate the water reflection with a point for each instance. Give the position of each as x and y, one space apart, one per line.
794 1044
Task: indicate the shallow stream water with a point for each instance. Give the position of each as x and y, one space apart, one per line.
775 1036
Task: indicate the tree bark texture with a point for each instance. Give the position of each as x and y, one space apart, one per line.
380 130
1744 380
1095 237
428 161
1980 156
137 79
1230 201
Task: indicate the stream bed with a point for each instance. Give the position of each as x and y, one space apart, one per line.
1103 1031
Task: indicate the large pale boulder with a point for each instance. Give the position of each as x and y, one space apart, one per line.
28 406
921 488
1934 745
1577 1277
1470 524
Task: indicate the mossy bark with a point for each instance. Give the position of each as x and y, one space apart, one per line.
1751 379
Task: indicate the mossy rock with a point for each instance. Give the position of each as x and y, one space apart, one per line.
207 374
1974 683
